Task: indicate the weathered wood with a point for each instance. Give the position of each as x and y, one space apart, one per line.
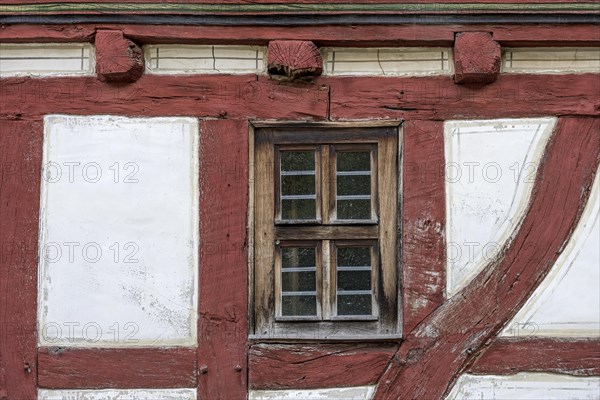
565 356
264 231
387 201
326 324
218 96
284 232
439 98
423 221
117 58
20 172
368 35
477 58
439 348
491 2
293 59
279 366
223 300
77 368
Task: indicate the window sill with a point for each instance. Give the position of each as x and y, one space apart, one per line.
287 338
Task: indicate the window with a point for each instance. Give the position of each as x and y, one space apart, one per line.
325 209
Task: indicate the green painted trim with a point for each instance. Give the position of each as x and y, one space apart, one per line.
175 8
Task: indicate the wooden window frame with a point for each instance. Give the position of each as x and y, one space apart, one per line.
267 233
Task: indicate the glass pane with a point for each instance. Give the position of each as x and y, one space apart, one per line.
298 306
298 184
294 257
354 304
297 160
298 281
354 256
353 280
354 209
353 161
298 209
353 185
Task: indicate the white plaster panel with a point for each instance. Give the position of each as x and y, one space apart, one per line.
46 59
204 59
348 393
551 60
490 170
525 386
387 61
567 303
118 394
118 232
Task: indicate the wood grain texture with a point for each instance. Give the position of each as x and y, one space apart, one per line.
564 356
438 97
20 172
223 301
367 35
477 58
117 59
264 231
326 232
446 342
217 96
63 368
299 1
423 221
294 58
280 366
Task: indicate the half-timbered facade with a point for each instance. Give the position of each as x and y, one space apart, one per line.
264 200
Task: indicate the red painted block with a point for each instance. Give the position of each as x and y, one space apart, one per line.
117 58
294 59
477 58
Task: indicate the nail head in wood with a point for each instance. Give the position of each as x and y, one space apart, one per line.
117 58
477 58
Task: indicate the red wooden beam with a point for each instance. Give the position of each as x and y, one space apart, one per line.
297 366
438 349
218 96
117 58
423 221
243 96
292 59
223 302
367 35
477 58
565 356
20 173
511 96
77 368
298 1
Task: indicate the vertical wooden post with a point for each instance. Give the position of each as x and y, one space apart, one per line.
20 163
223 302
423 221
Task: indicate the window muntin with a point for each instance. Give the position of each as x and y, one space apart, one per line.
355 299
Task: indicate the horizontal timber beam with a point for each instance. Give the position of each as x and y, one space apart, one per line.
123 368
343 98
512 35
309 19
566 356
296 366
